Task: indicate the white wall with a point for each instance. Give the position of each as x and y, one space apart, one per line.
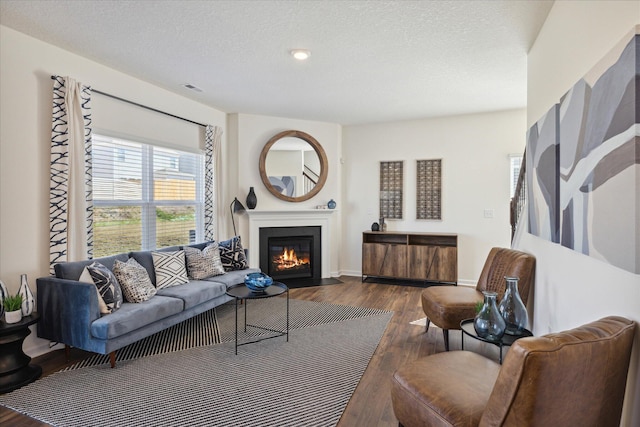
26 65
571 288
475 176
249 133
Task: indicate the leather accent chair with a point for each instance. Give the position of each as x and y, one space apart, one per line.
447 306
571 378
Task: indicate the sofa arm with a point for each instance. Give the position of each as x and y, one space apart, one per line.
67 308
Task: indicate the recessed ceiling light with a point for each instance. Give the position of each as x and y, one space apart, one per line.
300 54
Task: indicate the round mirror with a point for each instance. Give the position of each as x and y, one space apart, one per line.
293 166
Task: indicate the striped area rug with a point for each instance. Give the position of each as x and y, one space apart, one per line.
307 381
218 325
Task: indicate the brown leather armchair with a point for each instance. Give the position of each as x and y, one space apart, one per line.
447 306
572 378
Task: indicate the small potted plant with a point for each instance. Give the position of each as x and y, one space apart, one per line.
13 308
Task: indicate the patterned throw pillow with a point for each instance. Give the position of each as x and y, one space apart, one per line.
86 278
170 269
107 285
205 263
134 280
232 254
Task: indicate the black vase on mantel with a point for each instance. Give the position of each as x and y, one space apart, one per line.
252 200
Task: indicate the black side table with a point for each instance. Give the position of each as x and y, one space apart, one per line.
15 370
506 340
242 293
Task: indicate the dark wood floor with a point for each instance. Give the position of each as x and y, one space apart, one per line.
402 342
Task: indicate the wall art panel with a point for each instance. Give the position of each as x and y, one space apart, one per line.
391 189
429 189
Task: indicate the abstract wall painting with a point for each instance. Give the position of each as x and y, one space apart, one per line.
542 177
599 166
284 184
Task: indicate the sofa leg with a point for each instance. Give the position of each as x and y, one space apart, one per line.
445 334
112 359
427 326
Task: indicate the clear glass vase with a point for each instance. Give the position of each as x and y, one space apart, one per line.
489 323
513 309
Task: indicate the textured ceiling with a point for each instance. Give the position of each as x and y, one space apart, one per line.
372 61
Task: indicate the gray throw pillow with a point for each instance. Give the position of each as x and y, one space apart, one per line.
205 263
107 285
134 280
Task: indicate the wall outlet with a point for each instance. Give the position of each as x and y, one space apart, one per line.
488 213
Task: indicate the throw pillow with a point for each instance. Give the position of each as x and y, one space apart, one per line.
170 269
203 263
86 277
107 285
134 279
232 254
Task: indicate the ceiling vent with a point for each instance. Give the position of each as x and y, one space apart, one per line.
192 87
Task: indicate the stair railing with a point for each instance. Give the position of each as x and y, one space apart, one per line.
519 196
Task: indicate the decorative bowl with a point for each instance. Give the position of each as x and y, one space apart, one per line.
257 282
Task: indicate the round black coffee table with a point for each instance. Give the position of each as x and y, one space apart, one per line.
242 293
15 370
506 340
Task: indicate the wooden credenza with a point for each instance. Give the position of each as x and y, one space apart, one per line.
430 257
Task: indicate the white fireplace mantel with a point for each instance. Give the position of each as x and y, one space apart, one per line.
291 218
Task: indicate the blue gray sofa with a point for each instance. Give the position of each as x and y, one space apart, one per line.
69 311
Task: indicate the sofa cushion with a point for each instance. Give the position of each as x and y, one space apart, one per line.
134 280
195 292
200 246
107 286
145 259
231 278
170 268
73 269
232 254
203 263
134 316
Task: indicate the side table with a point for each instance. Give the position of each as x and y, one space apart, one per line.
15 370
506 340
242 293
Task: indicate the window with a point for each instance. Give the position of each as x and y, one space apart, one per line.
514 171
144 196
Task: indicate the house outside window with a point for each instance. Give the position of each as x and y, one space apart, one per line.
145 197
514 171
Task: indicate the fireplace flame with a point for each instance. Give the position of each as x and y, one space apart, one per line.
288 259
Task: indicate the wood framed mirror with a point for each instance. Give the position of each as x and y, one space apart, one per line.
293 166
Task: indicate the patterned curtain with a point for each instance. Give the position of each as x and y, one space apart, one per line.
71 199
212 144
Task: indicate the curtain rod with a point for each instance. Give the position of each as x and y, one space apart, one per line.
141 105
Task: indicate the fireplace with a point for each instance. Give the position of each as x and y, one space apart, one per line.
291 252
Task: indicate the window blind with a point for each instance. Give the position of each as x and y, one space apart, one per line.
145 197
